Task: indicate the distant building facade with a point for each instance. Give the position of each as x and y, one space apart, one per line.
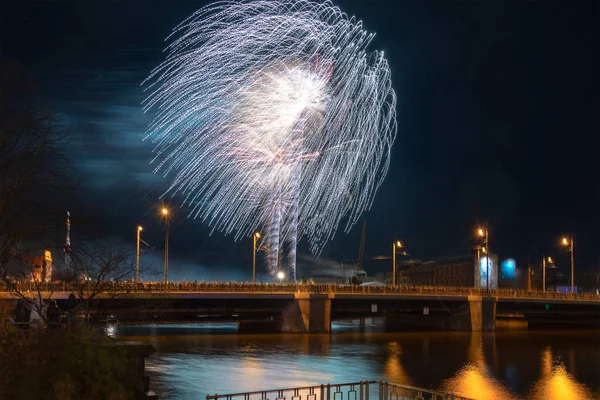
402 272
460 271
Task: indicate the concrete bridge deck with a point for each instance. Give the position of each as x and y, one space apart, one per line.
310 308
275 295
272 291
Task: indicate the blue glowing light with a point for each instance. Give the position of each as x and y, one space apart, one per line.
507 269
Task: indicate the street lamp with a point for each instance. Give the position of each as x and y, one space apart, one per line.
255 236
397 245
137 255
165 212
568 241
483 233
544 259
280 276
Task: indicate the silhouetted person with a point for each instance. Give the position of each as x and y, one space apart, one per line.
70 309
22 313
53 315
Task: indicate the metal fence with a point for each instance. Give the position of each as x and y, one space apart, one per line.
393 391
363 390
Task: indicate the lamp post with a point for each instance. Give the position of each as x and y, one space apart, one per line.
568 241
137 255
544 271
483 233
255 236
396 245
280 276
165 212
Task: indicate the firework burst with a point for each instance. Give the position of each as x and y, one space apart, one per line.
272 115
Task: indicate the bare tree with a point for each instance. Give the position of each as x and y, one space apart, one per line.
33 169
99 268
26 281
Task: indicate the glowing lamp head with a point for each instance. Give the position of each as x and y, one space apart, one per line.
257 235
480 232
140 228
165 211
550 260
565 241
280 275
398 244
483 249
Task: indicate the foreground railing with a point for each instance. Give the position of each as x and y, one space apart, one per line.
345 391
393 391
233 287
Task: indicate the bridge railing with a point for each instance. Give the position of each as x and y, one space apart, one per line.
234 287
394 391
363 390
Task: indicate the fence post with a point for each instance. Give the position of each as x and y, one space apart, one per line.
367 390
328 391
361 394
322 392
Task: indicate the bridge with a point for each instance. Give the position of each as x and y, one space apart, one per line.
311 308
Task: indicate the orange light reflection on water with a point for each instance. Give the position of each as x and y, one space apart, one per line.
471 382
251 368
556 383
474 380
558 386
393 368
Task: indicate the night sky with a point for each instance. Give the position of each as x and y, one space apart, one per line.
498 124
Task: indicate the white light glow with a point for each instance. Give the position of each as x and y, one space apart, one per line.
273 117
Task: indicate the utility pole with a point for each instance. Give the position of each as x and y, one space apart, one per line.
137 255
255 236
165 212
543 273
486 249
572 266
396 245
571 247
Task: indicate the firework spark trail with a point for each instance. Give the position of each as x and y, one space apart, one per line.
272 115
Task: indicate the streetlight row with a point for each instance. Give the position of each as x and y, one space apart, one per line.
165 212
484 233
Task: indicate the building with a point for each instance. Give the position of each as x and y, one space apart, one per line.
402 272
42 267
459 271
588 281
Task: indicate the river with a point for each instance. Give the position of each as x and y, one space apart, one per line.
194 360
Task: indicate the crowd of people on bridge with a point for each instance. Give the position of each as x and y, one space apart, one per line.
287 287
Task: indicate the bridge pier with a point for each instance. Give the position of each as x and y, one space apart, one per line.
482 313
308 313
477 314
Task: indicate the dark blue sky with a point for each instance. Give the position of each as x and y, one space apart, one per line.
498 123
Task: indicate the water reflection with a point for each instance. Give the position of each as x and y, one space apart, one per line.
110 330
474 380
191 363
393 369
555 382
474 383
